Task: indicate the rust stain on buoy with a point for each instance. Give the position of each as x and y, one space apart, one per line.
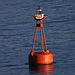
41 57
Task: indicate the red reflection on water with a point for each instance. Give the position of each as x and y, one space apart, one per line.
41 69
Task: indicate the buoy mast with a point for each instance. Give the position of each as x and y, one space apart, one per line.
39 17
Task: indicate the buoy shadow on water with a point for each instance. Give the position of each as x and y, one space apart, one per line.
41 69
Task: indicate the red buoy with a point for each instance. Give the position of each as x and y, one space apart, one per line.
40 57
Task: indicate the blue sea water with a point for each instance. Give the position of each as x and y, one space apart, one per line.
17 31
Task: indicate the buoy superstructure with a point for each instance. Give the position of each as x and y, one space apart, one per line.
43 56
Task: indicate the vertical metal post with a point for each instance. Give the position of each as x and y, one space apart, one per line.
41 26
37 36
34 39
44 40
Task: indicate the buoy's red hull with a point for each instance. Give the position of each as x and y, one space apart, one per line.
41 58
